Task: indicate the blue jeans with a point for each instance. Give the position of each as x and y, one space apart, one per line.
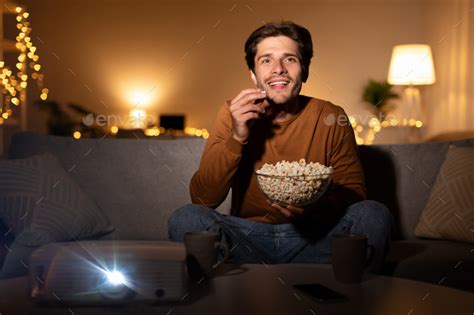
255 242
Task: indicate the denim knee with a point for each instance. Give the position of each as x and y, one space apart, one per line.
190 217
372 212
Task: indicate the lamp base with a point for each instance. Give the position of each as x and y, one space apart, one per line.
410 106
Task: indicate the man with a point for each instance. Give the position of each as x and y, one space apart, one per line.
267 124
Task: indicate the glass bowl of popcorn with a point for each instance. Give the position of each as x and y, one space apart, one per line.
294 183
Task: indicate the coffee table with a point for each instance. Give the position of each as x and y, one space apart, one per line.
267 289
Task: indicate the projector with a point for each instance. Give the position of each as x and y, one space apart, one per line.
108 272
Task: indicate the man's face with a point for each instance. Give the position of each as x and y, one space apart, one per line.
278 69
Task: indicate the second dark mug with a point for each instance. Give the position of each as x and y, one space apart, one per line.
202 252
350 255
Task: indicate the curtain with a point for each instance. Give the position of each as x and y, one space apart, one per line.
449 103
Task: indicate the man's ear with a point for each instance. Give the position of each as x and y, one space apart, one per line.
253 77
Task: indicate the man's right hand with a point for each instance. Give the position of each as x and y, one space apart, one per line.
244 108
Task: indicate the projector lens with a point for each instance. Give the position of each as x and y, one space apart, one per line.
115 286
115 277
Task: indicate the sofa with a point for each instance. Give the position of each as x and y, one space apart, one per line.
137 183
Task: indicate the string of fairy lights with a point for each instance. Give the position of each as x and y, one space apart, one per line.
13 85
363 134
156 131
375 126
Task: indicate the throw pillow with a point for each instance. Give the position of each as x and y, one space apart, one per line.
449 213
40 203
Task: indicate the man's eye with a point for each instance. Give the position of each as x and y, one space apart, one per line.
265 61
291 60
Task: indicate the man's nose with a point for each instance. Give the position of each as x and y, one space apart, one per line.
279 67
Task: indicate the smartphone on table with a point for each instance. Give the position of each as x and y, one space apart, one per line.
321 293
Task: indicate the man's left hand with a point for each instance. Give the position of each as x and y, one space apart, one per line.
288 211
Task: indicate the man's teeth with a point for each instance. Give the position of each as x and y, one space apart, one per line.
279 83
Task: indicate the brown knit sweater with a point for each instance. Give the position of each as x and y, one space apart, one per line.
313 133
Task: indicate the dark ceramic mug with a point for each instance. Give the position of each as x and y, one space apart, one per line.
351 254
202 252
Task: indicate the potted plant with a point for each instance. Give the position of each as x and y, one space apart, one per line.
378 94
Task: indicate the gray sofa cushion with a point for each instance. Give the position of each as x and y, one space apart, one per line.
401 177
137 183
440 262
40 203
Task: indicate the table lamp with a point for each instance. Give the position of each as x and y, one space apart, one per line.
411 65
137 117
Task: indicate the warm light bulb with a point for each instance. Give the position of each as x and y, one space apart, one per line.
18 9
19 18
5 115
15 101
44 96
23 84
19 65
190 131
140 99
26 15
77 135
373 122
35 58
418 124
37 67
2 63
24 77
137 117
33 49
114 130
45 90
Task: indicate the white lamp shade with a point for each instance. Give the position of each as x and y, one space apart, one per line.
411 65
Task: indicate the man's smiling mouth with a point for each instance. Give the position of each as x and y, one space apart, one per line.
278 82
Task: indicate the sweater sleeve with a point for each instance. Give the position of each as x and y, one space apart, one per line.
344 156
348 184
219 162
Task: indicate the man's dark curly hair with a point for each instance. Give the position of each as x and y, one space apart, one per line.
284 28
